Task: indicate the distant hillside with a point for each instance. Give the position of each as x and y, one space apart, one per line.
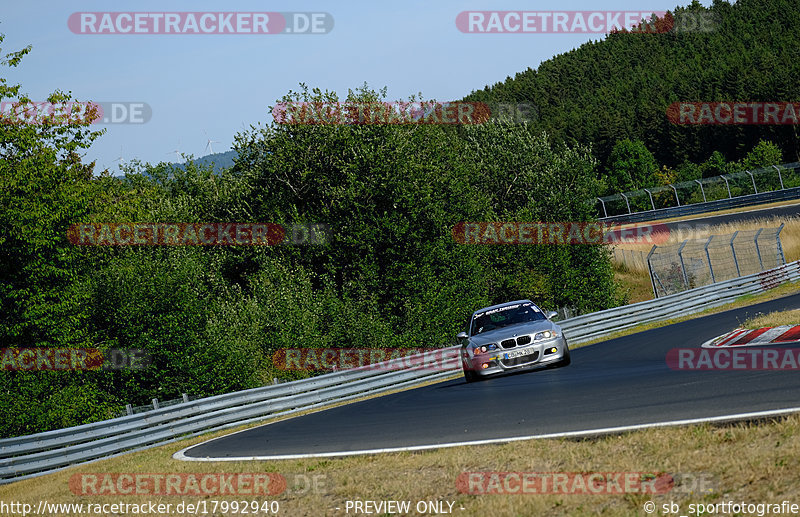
621 87
219 160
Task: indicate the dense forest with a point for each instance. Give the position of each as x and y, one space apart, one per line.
390 273
619 88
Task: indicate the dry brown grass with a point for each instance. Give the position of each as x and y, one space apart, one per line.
773 319
741 462
635 285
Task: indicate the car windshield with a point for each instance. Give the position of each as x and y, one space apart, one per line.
505 316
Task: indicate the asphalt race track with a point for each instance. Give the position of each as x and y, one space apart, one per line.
620 382
738 217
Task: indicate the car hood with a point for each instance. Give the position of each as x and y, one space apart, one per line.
495 336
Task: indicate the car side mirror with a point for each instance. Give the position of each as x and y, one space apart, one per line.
461 336
551 314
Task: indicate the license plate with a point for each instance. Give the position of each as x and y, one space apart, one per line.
519 353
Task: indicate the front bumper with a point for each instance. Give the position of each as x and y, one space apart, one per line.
539 355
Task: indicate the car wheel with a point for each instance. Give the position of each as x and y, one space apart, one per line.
470 376
565 361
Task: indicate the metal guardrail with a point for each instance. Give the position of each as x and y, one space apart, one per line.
34 455
710 206
778 183
597 324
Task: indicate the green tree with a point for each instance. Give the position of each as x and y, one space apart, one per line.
764 154
631 166
45 283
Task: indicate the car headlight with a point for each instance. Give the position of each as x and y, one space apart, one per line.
485 348
547 334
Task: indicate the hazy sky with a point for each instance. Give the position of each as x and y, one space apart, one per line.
220 83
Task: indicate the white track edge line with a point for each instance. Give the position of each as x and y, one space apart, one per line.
180 455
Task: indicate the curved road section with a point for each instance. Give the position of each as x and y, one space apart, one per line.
620 384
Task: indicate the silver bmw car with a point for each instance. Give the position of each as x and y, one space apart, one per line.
509 337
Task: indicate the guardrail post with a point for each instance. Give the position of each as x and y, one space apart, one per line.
650 269
758 251
755 189
676 194
605 214
683 266
727 185
185 397
128 409
780 178
626 201
708 257
702 190
652 203
155 403
780 247
733 250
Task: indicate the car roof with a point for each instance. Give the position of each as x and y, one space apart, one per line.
500 305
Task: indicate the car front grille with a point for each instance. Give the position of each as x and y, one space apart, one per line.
517 361
511 343
508 343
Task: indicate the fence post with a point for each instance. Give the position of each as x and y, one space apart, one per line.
676 194
758 251
779 176
652 203
683 266
727 185
702 190
605 214
780 247
650 269
626 201
708 257
755 189
733 250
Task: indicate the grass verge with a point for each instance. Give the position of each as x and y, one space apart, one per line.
712 464
773 319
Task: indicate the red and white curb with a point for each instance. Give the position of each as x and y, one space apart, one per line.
756 337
